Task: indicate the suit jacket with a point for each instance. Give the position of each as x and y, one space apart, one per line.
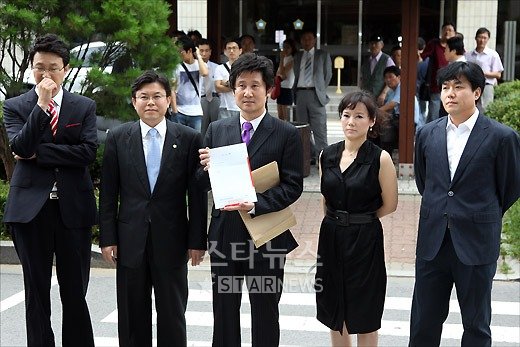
273 140
486 183
128 211
64 159
321 73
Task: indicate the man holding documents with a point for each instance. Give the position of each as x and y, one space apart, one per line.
234 257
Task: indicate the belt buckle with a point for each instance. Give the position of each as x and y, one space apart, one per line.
53 195
343 217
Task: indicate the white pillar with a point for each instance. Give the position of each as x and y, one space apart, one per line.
472 15
193 15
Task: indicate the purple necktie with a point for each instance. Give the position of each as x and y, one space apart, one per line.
246 132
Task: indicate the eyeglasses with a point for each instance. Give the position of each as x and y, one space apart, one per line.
51 70
232 48
155 98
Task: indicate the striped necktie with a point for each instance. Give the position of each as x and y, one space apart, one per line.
54 117
308 70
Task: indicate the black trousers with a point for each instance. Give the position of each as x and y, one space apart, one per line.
36 243
134 302
430 306
264 280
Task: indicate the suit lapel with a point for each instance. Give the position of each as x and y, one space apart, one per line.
171 143
477 136
66 111
233 131
441 148
261 134
135 148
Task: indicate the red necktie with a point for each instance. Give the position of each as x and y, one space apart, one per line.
54 117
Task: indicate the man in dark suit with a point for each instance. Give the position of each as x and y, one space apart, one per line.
148 178
466 169
312 74
51 206
232 252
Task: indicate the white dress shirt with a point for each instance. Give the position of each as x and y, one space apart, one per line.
457 138
161 129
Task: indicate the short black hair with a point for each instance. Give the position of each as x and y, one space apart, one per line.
247 35
396 48
235 40
250 62
445 24
186 43
148 77
471 71
392 69
456 43
205 42
350 101
482 31
195 33
50 43
308 31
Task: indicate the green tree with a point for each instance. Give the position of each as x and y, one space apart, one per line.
134 32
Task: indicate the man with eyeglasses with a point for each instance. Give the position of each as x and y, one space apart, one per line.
152 216
51 206
228 106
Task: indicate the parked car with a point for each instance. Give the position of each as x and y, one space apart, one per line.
114 57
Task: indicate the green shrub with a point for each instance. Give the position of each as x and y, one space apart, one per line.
4 190
507 88
506 110
511 232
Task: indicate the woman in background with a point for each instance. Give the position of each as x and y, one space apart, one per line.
286 72
359 186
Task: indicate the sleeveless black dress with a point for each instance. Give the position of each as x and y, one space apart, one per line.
351 275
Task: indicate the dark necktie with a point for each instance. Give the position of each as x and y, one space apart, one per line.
246 132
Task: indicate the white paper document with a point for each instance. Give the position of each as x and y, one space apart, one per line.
230 175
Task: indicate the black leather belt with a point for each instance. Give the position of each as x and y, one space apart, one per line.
345 218
305 88
215 95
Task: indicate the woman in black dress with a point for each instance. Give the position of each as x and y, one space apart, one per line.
359 186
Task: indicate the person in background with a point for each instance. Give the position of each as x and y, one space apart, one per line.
189 76
228 106
489 60
51 206
466 169
312 75
195 36
232 252
434 50
247 43
396 55
454 50
359 186
152 216
209 98
286 72
422 70
372 78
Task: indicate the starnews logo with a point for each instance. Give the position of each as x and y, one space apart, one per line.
265 284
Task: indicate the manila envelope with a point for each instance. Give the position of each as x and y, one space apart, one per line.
266 227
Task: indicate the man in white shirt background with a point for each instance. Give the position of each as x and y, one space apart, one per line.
228 106
489 60
209 98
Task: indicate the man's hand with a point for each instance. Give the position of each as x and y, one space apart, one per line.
196 256
243 206
17 157
109 254
46 89
204 158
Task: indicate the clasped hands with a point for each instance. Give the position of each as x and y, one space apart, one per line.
110 255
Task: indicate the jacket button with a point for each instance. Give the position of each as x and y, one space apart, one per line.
450 193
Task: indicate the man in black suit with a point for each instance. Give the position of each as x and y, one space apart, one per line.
467 171
146 226
232 252
51 206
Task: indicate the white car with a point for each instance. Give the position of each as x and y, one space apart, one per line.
85 53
